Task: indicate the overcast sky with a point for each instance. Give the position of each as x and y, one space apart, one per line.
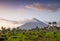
46 10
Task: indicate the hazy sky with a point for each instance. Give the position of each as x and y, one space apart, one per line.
46 10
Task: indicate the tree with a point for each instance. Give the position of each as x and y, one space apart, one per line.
3 29
54 24
49 24
14 29
8 29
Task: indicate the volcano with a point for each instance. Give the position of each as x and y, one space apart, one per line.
32 23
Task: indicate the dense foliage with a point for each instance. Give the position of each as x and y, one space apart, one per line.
50 33
35 34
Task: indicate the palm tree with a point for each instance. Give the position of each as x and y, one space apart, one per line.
49 24
54 24
3 29
8 29
13 29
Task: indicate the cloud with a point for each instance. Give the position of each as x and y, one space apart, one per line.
8 23
38 6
